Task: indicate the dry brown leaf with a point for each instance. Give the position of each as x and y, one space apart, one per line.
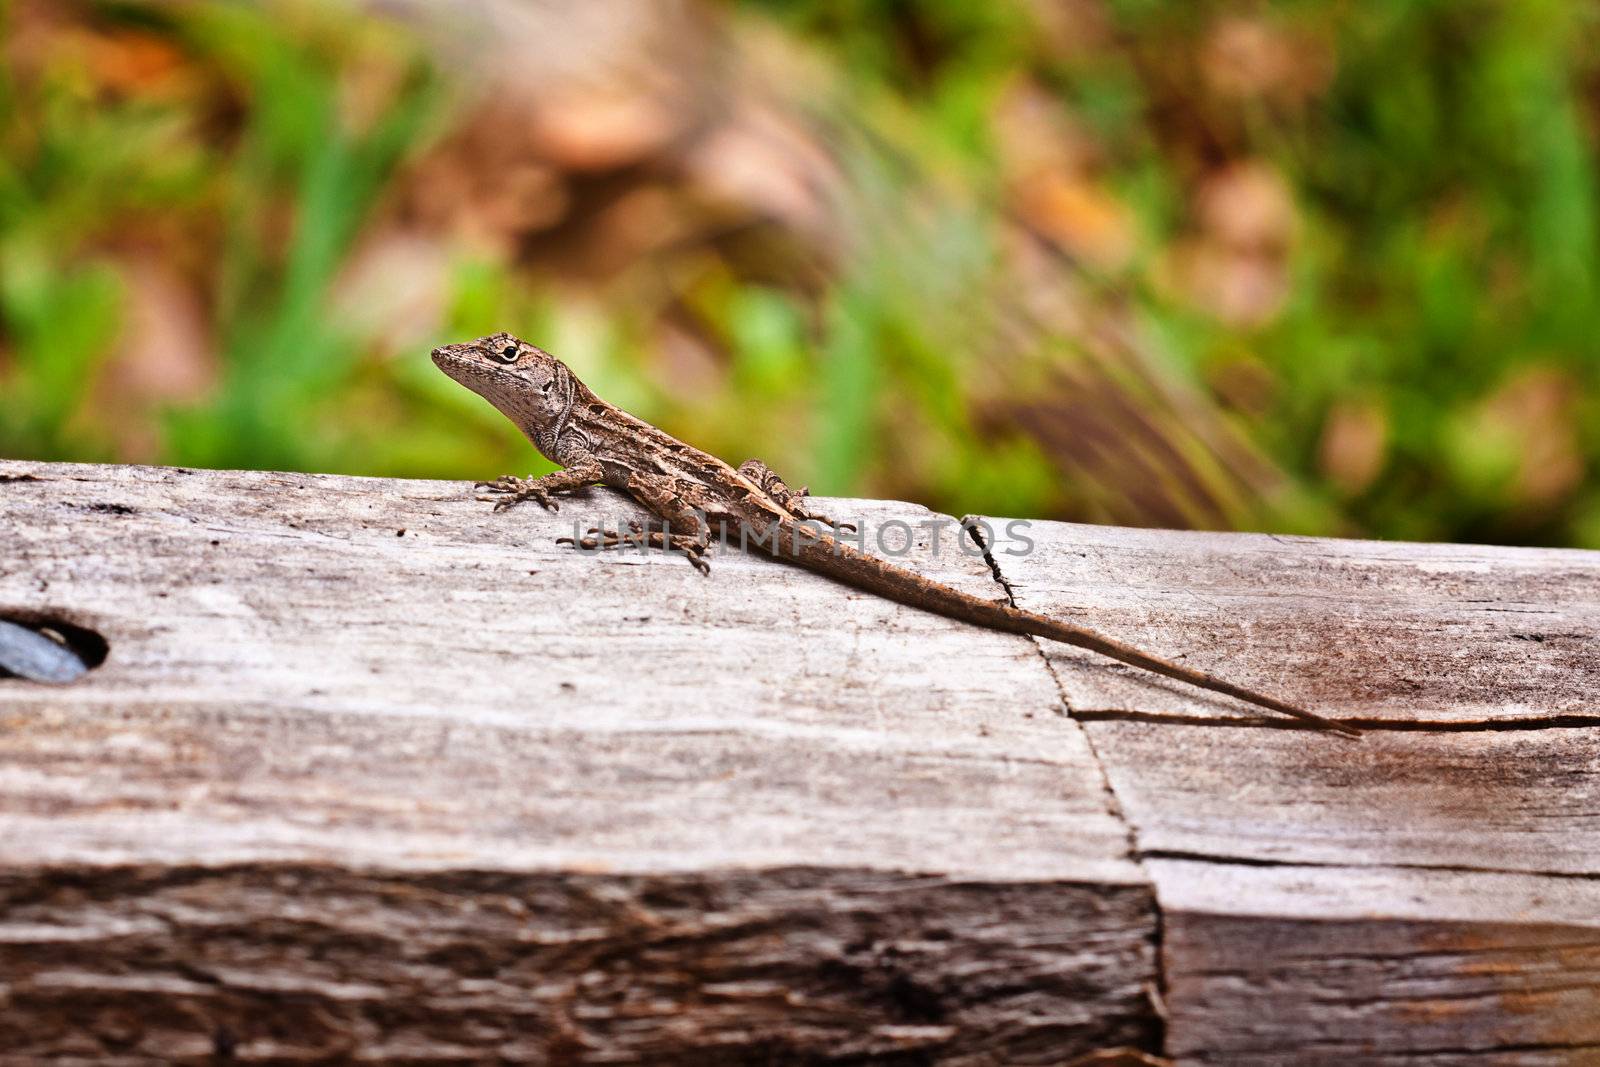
1248 206
165 356
1082 218
601 130
1354 444
1245 58
1535 408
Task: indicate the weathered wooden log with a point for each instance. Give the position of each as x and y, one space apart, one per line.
367 773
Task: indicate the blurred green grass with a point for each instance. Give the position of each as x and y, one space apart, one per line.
1411 348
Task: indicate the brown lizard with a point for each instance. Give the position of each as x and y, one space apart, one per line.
696 494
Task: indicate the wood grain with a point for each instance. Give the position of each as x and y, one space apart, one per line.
1380 965
1372 632
369 772
1430 894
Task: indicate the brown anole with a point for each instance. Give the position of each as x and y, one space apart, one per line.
697 495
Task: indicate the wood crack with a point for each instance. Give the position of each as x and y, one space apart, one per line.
1445 868
1367 725
1158 995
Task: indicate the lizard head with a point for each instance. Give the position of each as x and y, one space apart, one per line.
530 386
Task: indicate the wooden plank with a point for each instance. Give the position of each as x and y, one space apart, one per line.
369 772
1430 894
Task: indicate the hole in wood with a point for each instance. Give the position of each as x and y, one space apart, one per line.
42 648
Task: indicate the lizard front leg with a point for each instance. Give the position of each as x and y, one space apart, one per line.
790 500
508 491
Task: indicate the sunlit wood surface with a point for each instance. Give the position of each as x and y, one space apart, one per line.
369 772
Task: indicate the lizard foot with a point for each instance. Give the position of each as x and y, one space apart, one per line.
597 539
801 511
508 491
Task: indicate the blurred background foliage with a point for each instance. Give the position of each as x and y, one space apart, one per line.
1308 267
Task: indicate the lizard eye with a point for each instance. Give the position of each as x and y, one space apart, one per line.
508 354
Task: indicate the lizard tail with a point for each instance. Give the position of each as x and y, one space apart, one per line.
1043 626
845 564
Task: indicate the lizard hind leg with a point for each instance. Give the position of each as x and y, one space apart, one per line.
686 528
598 539
790 500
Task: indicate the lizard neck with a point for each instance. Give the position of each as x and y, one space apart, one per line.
559 437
